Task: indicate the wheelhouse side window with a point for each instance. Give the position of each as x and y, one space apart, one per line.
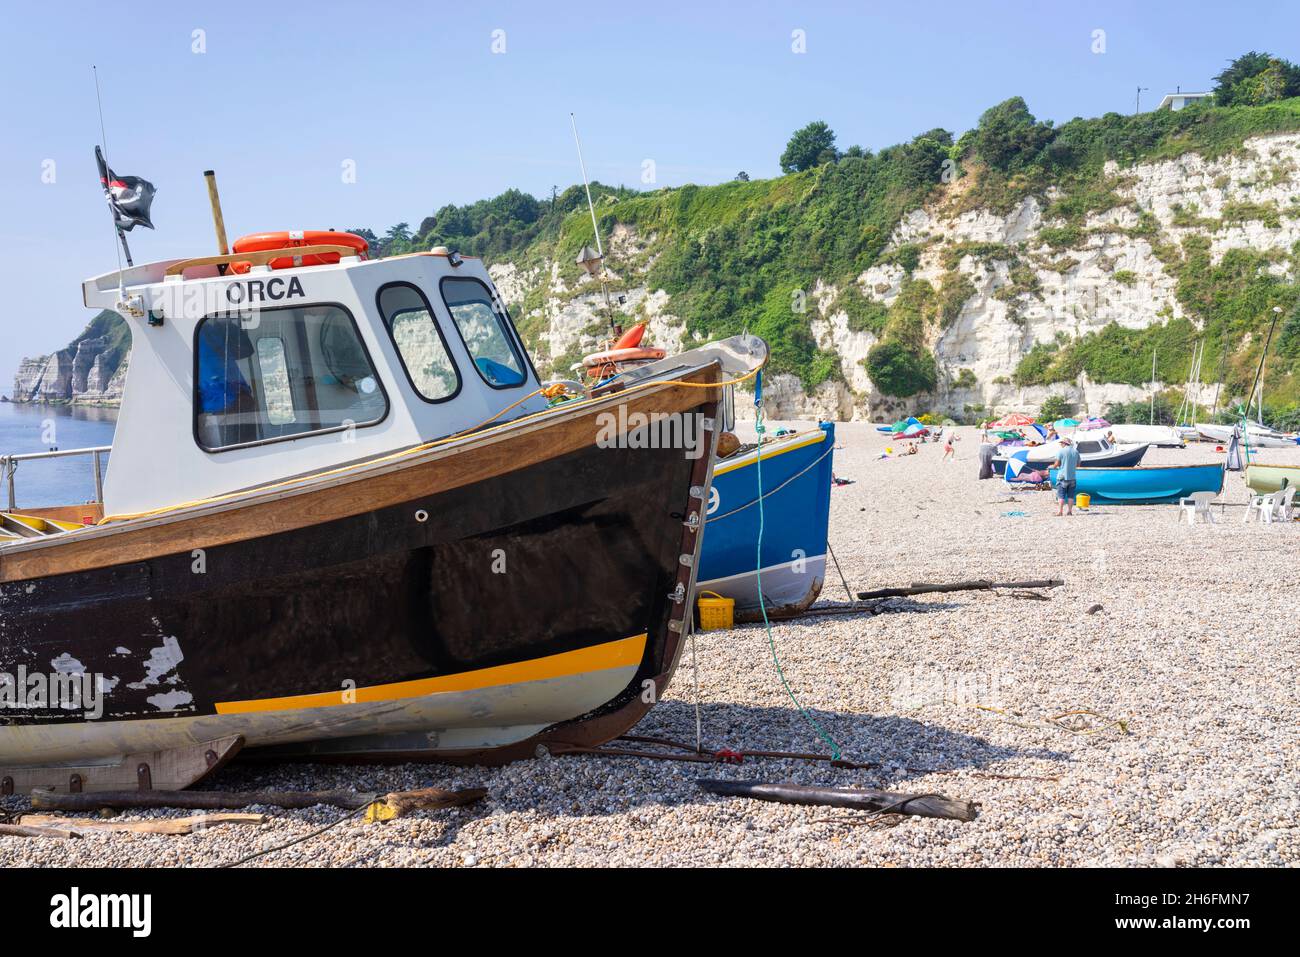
291 372
485 331
419 341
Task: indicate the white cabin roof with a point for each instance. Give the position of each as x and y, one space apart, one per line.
295 398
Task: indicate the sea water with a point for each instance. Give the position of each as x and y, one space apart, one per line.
40 428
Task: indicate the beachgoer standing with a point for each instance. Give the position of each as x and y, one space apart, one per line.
948 451
1067 462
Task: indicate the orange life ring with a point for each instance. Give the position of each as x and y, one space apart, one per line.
257 242
602 365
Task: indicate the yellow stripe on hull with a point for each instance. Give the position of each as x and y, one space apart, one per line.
813 437
615 654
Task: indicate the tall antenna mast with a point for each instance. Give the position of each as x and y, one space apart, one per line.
594 266
587 186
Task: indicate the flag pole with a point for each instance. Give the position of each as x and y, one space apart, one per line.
103 139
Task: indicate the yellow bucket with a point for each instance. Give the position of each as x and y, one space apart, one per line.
717 612
1083 500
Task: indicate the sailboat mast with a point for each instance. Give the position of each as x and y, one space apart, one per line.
1153 388
1259 370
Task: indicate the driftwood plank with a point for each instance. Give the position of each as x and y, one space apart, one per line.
171 826
402 802
23 830
198 800
864 799
923 588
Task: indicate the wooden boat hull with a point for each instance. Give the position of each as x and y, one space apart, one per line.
1146 486
522 587
1265 479
797 474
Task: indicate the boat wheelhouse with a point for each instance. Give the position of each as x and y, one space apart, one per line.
342 511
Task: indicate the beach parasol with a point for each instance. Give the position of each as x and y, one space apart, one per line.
1095 423
1065 423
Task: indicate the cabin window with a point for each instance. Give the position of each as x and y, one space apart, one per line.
1089 447
485 330
290 372
275 378
419 341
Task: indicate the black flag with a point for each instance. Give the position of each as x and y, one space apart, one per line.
129 197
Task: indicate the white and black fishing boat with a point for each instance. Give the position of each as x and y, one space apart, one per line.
1095 452
342 514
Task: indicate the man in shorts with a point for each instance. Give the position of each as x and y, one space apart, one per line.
1067 462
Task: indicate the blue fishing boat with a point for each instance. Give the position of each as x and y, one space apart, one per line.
1146 485
796 510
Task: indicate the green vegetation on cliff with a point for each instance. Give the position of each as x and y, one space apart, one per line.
747 254
733 255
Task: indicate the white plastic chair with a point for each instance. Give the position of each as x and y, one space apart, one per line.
1198 503
1283 504
1262 507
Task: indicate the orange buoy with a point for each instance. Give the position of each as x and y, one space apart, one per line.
632 338
258 242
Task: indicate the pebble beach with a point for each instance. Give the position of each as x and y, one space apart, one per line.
1161 728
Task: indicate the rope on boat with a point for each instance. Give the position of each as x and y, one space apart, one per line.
549 391
769 492
836 755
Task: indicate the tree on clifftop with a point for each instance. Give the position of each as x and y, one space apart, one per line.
811 146
1256 78
1008 137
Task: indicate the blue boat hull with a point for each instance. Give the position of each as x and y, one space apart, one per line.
1146 486
796 511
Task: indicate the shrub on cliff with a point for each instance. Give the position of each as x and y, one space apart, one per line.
1256 78
900 370
1008 137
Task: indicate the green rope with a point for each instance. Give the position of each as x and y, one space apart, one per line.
758 572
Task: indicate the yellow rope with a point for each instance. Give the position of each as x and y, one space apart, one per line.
1055 721
547 391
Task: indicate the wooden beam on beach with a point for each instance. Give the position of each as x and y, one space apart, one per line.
924 588
215 800
862 799
80 827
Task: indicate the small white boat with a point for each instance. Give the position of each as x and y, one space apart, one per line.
1259 436
1164 436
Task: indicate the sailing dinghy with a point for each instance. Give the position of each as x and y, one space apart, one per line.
343 515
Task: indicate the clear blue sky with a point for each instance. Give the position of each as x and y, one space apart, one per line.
413 93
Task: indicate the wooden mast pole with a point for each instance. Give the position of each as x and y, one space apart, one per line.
217 220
